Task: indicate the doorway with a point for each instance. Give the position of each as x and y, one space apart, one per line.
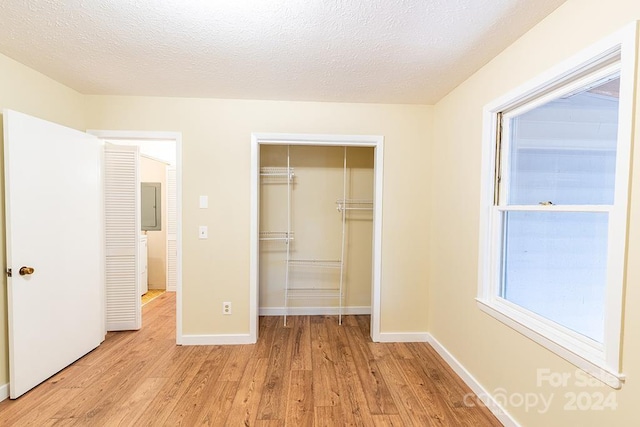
292 140
160 164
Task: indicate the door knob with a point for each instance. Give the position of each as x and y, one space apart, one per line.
26 270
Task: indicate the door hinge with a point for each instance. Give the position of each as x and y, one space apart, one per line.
8 272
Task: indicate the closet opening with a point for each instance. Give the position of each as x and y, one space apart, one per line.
316 226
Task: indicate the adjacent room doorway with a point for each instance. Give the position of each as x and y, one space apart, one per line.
161 155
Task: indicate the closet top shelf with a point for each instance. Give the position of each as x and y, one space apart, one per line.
354 205
282 172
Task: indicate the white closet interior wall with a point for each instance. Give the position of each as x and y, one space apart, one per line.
317 227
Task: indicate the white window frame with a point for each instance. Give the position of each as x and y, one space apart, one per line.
601 360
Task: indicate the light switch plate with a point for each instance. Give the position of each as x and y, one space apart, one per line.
203 232
204 202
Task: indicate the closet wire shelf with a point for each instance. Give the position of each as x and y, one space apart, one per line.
320 263
305 293
277 172
280 236
354 205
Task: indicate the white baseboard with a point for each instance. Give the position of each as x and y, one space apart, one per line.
486 398
219 339
313 311
4 391
403 337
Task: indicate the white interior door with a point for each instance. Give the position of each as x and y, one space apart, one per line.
54 224
122 232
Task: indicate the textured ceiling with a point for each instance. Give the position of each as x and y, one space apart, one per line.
387 51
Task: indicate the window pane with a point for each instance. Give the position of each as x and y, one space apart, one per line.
554 264
564 151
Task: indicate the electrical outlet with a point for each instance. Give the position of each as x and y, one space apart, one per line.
226 308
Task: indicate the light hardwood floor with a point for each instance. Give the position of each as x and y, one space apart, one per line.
311 373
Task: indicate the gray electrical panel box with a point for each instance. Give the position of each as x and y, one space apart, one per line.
151 206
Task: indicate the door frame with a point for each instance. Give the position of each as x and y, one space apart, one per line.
374 141
161 136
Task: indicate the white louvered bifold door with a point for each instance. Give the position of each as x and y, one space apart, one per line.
122 230
172 229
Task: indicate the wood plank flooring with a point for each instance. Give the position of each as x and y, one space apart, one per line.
311 373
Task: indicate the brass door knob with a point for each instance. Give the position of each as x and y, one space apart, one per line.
26 270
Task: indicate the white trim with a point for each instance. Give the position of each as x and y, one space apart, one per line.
403 337
565 90
377 241
4 391
254 238
374 141
314 311
162 136
602 360
572 340
605 48
103 248
135 134
618 218
217 339
487 399
317 139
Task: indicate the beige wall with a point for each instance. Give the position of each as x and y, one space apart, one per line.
497 356
155 171
216 142
216 162
317 224
27 91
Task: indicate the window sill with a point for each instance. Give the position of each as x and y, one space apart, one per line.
554 341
